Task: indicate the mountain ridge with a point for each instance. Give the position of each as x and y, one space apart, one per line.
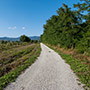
18 38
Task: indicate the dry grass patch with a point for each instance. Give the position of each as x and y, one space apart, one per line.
9 71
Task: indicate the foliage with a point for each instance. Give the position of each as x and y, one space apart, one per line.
24 38
69 29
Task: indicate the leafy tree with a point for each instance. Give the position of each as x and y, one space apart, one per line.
70 29
24 38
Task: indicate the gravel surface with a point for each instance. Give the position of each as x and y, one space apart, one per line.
49 72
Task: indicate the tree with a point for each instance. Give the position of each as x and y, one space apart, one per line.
84 7
24 38
69 28
61 29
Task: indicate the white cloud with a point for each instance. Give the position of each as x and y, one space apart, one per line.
9 27
23 28
12 28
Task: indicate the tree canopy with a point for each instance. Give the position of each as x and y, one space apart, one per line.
69 28
24 38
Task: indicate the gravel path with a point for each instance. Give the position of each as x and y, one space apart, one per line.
49 72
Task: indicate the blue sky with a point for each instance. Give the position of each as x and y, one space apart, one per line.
18 17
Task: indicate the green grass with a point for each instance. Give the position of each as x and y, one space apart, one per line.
11 76
80 67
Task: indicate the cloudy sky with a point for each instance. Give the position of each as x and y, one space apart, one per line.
18 17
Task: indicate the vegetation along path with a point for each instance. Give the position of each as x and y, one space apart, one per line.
49 72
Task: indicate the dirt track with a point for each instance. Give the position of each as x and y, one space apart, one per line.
49 72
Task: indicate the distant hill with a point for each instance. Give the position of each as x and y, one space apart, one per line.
17 39
9 39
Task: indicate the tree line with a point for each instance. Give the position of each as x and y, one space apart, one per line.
69 28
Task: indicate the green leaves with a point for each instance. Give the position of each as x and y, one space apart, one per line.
60 28
70 29
24 38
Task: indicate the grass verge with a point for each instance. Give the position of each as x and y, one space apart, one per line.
11 76
79 66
